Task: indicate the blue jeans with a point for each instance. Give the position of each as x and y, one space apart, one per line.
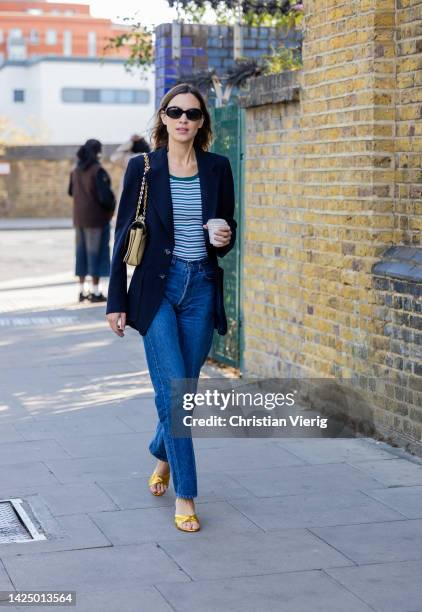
93 251
177 343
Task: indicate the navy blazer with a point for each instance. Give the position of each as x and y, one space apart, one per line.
146 290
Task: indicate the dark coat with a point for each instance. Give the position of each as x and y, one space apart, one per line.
146 288
89 188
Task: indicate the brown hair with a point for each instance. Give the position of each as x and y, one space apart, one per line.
159 134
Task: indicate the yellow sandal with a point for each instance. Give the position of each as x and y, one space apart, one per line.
156 479
179 519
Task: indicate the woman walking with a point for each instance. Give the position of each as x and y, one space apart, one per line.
93 208
175 298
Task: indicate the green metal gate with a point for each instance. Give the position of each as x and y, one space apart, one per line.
228 128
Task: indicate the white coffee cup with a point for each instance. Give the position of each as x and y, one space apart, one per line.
213 225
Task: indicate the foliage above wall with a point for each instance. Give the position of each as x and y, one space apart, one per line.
139 41
277 13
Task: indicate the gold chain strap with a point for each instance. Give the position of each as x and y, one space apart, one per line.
144 192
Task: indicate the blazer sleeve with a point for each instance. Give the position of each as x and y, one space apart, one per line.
104 192
117 289
227 204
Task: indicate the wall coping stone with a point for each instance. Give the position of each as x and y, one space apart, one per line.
270 89
404 262
47 152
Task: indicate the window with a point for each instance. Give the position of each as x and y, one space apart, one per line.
142 96
91 95
51 37
34 11
74 95
108 96
15 34
1 36
67 43
16 51
34 37
92 44
18 95
69 12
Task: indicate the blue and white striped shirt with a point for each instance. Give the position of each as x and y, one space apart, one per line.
189 242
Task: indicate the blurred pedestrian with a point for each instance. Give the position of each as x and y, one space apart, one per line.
124 153
93 208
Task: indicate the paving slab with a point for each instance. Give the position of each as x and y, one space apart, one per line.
386 587
251 554
83 424
9 433
289 592
124 444
73 532
78 427
14 452
112 598
292 511
376 542
245 456
5 582
140 422
93 569
238 444
304 479
398 472
406 500
25 473
317 450
106 469
63 499
218 519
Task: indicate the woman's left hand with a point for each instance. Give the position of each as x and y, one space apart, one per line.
221 235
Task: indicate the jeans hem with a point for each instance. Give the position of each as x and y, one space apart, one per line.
185 496
158 457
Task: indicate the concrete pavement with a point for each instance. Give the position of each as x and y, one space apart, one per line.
290 525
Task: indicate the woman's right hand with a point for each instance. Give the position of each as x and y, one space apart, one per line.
117 322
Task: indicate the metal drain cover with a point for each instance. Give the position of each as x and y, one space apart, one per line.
15 523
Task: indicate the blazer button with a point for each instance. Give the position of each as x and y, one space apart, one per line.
162 275
167 251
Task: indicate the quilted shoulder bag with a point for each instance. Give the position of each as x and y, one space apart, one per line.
137 233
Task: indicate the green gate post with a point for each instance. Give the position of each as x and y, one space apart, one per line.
228 128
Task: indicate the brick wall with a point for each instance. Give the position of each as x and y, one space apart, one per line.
408 194
38 180
332 181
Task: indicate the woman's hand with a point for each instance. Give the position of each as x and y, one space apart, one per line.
117 322
222 235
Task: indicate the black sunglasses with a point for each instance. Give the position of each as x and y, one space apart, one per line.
175 112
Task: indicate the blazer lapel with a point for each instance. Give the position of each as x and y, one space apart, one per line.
159 194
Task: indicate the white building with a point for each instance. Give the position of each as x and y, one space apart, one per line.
62 100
